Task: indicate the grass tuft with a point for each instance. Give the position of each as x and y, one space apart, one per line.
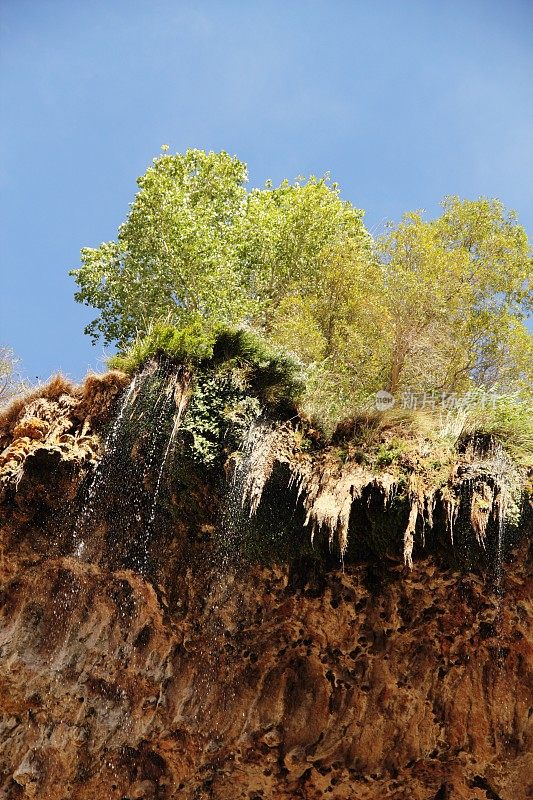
9 416
189 345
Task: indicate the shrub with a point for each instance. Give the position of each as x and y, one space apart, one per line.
191 344
269 373
387 454
218 415
273 374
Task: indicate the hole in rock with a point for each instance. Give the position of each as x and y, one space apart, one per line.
479 782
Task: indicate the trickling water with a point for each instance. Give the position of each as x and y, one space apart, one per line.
156 413
117 494
237 506
503 500
178 392
226 610
137 446
99 474
502 467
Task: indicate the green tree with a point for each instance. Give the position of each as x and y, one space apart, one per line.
309 263
457 291
336 321
175 255
293 261
437 304
286 235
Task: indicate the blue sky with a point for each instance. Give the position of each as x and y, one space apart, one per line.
403 101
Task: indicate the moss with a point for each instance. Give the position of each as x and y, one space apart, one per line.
386 532
236 375
277 544
389 453
277 534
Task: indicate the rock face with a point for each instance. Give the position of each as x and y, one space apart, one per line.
205 674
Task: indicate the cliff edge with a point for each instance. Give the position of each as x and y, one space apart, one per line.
169 630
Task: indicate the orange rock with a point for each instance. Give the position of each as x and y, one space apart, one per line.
31 427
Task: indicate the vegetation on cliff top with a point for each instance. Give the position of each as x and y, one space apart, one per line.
287 286
434 305
11 382
279 300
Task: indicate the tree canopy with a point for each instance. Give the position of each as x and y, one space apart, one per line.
457 290
435 305
175 255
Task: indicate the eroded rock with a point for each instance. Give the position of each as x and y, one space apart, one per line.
204 676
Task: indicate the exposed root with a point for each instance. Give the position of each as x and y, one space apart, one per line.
481 505
329 502
417 500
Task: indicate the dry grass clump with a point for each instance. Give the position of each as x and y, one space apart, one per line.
94 398
369 428
98 392
509 422
10 415
507 419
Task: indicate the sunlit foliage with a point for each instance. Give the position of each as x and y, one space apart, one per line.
435 304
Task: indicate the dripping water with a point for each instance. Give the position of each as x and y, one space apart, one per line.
502 467
502 473
92 500
235 514
225 608
177 394
137 446
116 495
99 475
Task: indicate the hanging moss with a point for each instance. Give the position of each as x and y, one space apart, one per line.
276 534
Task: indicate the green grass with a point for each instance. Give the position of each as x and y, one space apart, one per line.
507 419
190 345
389 453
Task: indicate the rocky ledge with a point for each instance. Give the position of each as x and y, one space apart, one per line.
203 672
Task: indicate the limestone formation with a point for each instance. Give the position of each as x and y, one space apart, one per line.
202 673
